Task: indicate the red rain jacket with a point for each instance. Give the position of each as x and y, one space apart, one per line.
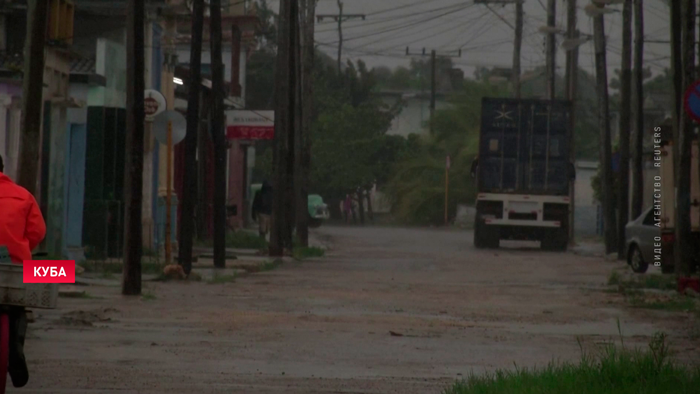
22 226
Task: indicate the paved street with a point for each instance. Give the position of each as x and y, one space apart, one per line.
325 326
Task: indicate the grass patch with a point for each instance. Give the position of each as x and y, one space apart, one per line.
108 270
302 252
611 370
77 294
647 281
148 296
107 275
670 303
664 299
245 240
221 279
270 265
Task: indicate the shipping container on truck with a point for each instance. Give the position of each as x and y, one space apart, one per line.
663 153
523 171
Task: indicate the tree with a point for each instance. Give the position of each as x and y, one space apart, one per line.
417 184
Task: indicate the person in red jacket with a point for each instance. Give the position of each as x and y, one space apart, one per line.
22 228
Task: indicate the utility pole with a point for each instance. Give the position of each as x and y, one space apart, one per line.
605 138
433 87
189 192
683 247
518 42
340 34
218 133
571 91
433 77
625 125
32 96
295 123
283 159
519 14
638 105
340 18
551 49
133 171
303 134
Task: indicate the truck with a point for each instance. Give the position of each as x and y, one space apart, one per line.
523 172
666 193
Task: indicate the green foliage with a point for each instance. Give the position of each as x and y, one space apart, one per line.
245 240
610 370
260 74
417 186
301 252
415 77
349 145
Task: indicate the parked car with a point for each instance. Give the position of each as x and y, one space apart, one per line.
640 236
318 211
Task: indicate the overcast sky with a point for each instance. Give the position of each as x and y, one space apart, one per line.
484 37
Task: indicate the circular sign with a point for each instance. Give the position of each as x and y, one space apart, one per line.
178 127
153 103
692 101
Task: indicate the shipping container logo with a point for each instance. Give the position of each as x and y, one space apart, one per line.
503 118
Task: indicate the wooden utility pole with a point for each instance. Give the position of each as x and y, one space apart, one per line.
218 134
433 77
295 123
340 18
32 97
168 194
683 249
551 50
189 190
519 14
284 128
303 134
133 171
638 105
340 34
623 184
605 138
433 87
571 91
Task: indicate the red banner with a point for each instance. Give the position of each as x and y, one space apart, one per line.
48 271
250 132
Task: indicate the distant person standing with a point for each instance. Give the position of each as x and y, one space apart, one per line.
262 209
347 208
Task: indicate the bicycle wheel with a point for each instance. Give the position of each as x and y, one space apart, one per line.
4 349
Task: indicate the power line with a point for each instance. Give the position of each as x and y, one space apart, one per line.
404 26
450 28
391 18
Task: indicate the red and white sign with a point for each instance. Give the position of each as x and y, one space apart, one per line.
48 271
250 125
153 103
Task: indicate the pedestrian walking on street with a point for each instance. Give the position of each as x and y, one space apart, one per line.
22 228
262 209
